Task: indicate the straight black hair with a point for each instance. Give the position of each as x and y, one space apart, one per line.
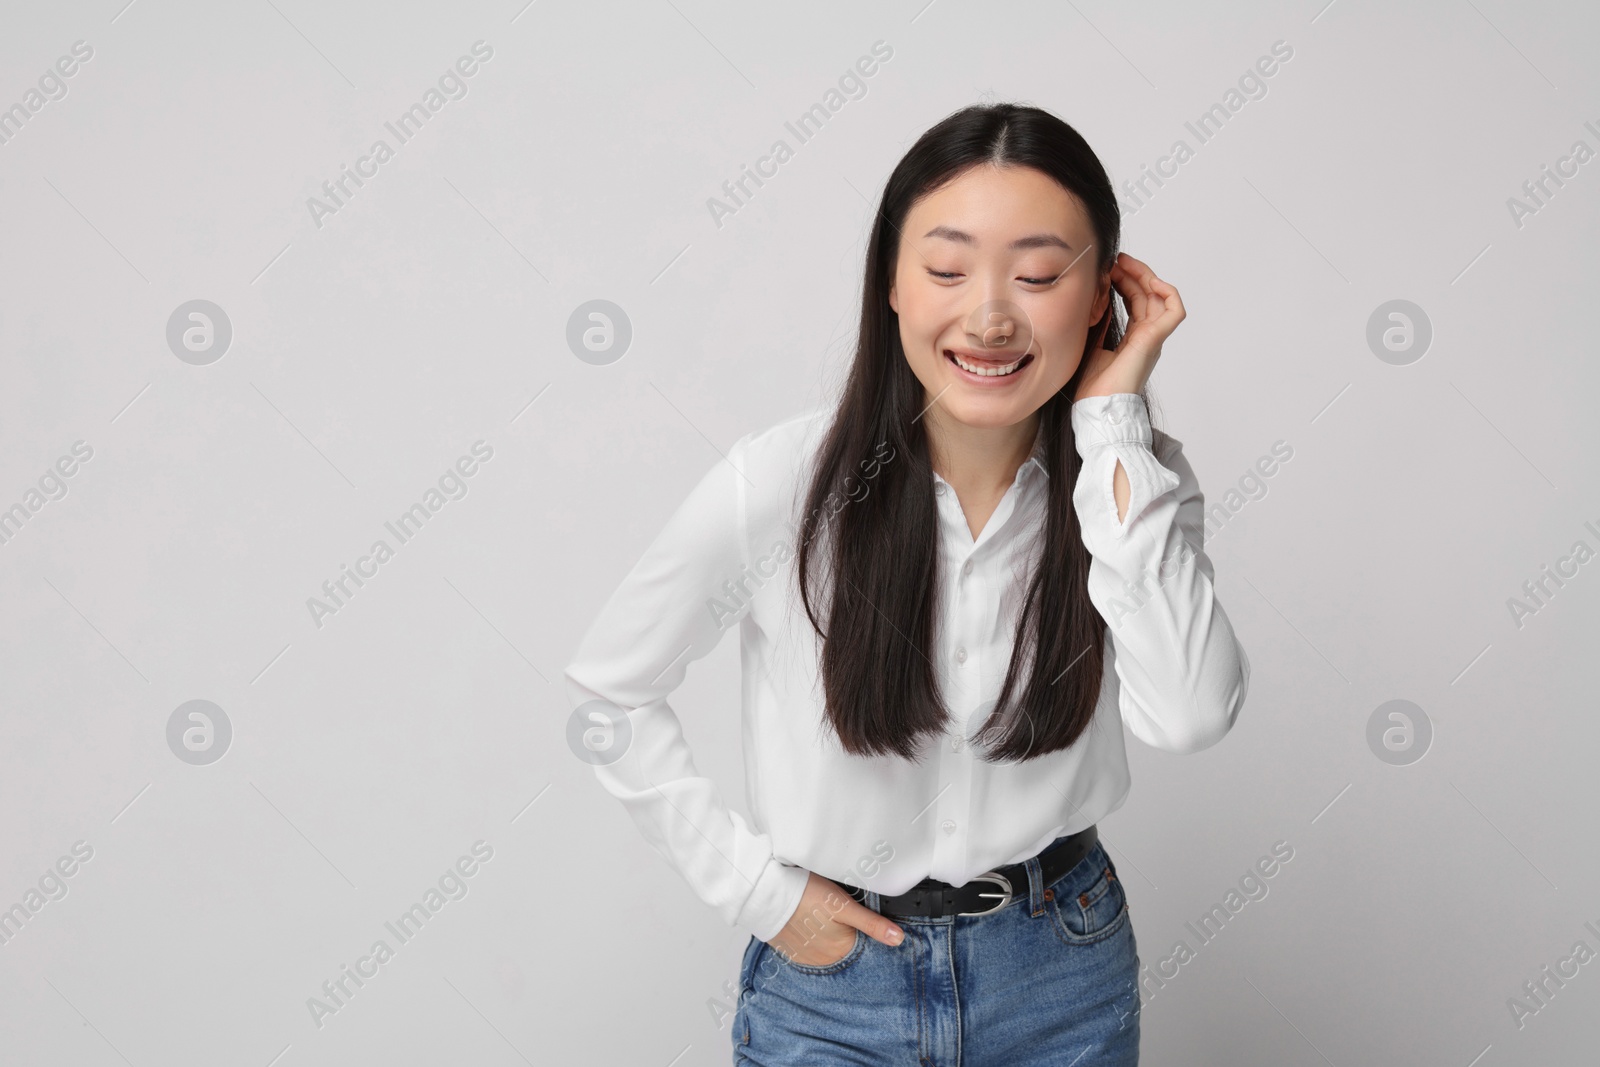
881 689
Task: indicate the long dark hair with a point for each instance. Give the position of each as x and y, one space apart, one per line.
881 688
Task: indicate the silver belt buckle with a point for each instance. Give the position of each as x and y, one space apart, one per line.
998 879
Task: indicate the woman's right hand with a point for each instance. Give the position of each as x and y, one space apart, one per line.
823 928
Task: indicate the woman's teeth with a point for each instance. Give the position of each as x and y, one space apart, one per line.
987 370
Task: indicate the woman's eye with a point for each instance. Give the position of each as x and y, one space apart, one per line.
946 275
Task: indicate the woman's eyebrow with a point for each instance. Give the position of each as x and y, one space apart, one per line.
1037 240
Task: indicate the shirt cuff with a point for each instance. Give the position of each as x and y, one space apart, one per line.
1117 427
773 901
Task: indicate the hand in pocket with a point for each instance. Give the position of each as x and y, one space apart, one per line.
823 928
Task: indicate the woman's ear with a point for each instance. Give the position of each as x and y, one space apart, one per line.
892 305
1102 297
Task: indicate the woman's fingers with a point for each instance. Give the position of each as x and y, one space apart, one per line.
875 925
822 928
1132 287
1175 310
1152 303
1139 288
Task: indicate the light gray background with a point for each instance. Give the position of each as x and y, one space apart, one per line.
431 311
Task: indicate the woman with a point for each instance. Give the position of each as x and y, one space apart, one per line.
952 588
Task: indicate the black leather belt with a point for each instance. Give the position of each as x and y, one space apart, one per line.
989 891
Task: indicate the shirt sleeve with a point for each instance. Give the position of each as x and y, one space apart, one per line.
634 654
1183 674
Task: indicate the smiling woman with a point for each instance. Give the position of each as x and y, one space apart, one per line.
936 673
1035 296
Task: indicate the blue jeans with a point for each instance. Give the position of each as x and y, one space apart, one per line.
1051 978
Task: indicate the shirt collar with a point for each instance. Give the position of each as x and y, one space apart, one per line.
1036 457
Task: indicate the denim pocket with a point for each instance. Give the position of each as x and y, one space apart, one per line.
1087 904
856 949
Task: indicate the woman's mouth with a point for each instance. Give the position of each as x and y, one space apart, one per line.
987 369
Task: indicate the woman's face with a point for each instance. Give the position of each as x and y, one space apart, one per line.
995 267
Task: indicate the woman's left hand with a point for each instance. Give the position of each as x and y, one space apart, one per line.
1154 311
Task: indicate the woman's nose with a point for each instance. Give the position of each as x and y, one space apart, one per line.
999 323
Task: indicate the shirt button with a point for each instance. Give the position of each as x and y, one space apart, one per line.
961 655
948 826
938 487
955 744
966 568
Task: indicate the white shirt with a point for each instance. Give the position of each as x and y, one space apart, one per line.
1174 673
